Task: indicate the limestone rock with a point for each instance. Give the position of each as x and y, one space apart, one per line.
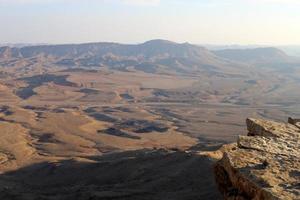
263 165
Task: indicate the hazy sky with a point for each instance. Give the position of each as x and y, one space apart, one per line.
134 21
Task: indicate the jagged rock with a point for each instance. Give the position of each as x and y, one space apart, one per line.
258 127
263 165
3 158
295 122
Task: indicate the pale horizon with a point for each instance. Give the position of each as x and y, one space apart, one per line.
136 43
203 22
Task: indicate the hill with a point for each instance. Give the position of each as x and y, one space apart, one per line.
256 55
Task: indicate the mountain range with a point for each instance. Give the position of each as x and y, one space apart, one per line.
153 56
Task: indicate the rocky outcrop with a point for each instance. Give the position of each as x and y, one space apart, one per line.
296 122
263 165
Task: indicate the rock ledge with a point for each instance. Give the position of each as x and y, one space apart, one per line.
263 165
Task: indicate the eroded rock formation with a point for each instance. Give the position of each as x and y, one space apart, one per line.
263 165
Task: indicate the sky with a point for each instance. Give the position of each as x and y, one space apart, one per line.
222 22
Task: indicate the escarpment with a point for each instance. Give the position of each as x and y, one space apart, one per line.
263 165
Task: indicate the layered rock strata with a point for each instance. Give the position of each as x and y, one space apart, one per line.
263 165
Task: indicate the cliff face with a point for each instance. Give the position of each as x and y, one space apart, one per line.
263 165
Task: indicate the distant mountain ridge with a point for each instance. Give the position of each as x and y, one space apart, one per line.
256 55
147 49
154 56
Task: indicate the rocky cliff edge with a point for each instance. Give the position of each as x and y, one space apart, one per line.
263 165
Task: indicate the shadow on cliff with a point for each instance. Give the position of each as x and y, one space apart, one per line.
139 175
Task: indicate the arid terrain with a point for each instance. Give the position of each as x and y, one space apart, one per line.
114 121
